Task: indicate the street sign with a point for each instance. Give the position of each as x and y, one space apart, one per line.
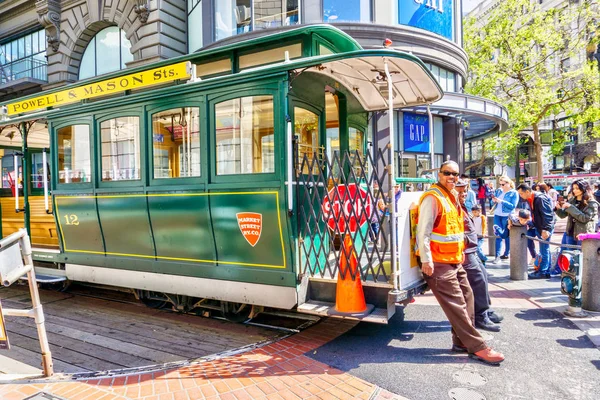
346 204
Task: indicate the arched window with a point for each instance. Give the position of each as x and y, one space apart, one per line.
108 51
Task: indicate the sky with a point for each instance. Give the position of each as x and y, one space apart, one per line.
468 5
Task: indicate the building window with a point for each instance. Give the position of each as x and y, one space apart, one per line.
194 22
346 11
74 154
244 136
24 57
120 149
176 143
108 51
233 17
444 77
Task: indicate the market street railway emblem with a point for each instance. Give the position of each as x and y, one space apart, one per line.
251 226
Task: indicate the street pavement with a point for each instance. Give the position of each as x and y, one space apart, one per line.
548 356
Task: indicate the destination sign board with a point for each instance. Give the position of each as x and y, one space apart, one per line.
111 86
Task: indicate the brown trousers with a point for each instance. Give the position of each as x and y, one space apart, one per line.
450 287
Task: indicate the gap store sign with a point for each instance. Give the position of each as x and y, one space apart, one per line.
416 133
436 16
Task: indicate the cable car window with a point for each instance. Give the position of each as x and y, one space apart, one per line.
220 67
244 136
120 149
74 163
176 143
269 56
306 128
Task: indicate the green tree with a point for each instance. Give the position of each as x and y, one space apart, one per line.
538 63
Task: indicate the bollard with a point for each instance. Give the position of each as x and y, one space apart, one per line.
518 253
590 286
491 236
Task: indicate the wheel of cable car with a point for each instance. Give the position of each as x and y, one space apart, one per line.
57 286
236 312
152 299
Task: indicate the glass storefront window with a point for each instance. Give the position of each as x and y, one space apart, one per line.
24 57
444 77
270 14
108 51
176 143
245 136
346 11
74 154
194 22
120 149
233 17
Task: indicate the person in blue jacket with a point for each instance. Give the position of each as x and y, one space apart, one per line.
543 220
506 201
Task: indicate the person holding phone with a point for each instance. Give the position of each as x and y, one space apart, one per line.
581 211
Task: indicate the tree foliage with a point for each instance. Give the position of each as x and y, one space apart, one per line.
536 62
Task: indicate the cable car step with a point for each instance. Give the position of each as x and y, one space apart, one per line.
47 278
325 309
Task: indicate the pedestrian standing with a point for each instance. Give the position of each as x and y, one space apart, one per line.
440 238
552 193
482 194
597 192
581 212
523 205
471 195
506 201
480 228
476 273
543 220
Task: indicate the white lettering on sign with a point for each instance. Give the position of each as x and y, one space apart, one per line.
437 5
417 133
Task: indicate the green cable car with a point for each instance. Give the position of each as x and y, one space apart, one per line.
218 180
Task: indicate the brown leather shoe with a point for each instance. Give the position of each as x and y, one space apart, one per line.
488 356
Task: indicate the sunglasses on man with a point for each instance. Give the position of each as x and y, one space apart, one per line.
448 173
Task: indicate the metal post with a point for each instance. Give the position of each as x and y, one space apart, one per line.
392 172
590 286
431 138
518 253
491 237
25 165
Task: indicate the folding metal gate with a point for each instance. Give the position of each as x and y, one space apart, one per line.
339 197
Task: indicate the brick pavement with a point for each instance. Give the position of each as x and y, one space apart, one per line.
278 370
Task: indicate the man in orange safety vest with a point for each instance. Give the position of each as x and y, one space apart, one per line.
440 238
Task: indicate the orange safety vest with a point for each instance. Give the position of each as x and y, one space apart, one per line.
447 240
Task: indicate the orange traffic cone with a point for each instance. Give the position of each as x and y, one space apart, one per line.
349 295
